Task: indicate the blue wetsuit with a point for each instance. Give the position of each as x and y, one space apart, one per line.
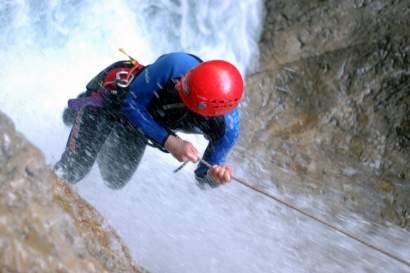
153 107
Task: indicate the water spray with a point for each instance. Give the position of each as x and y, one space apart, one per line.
332 227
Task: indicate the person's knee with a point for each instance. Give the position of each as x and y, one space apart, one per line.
70 173
115 175
69 115
116 182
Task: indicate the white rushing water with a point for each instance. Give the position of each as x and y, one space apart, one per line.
48 52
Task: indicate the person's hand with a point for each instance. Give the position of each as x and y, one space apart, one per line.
182 150
220 174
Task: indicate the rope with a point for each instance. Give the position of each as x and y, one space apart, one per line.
351 236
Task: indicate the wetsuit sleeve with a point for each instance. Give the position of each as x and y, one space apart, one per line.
217 150
142 89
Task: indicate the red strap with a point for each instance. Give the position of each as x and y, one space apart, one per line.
136 68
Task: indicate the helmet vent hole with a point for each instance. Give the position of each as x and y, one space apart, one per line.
201 105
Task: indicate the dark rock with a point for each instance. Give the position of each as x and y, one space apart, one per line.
332 95
44 225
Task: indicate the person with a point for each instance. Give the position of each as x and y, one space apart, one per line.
127 106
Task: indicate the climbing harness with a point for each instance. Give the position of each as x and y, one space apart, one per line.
333 227
121 77
110 85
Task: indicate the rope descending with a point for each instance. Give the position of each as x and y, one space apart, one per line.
333 227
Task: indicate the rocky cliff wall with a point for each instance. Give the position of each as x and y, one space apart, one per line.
44 225
328 111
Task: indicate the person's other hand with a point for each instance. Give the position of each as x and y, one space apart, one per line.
220 173
182 150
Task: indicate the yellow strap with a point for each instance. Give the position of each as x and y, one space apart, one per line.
133 61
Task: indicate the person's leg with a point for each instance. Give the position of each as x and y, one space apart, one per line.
121 155
90 129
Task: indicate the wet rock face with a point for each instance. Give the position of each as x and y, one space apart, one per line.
44 225
328 111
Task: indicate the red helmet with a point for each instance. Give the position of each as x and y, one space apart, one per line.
212 88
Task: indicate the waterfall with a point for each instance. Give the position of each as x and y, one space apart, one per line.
49 49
